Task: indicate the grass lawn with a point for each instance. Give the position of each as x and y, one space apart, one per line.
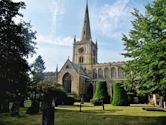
70 115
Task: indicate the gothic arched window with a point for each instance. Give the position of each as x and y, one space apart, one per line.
106 73
100 73
67 82
94 73
113 73
81 59
120 72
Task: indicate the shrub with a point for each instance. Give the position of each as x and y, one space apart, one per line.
131 97
119 96
55 91
101 92
143 99
68 101
34 108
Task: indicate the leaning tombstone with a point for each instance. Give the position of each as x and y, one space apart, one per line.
164 105
161 102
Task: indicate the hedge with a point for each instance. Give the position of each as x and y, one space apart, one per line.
101 92
120 97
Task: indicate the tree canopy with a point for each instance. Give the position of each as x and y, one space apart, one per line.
146 47
16 45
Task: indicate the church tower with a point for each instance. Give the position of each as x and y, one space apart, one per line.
85 50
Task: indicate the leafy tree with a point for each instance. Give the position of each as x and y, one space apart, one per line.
119 95
16 44
37 70
146 46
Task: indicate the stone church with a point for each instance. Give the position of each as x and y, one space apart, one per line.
80 74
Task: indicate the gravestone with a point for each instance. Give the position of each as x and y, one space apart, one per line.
48 116
15 109
48 110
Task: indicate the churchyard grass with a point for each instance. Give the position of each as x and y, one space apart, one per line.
91 115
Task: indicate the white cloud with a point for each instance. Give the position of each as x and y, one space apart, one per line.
63 41
111 19
56 10
16 0
52 55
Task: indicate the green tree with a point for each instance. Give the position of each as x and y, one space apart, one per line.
146 46
38 70
16 44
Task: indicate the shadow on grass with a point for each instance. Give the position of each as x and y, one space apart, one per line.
89 111
134 120
77 105
99 117
154 109
134 105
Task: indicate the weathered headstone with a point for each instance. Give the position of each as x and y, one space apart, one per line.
161 102
164 105
48 110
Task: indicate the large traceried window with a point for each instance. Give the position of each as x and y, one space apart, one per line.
67 82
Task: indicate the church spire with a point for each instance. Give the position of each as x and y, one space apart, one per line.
86 32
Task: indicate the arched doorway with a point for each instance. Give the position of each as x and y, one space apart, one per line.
89 92
67 82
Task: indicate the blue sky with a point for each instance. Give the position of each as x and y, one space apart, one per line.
57 21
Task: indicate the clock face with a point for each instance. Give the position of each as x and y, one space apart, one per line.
81 50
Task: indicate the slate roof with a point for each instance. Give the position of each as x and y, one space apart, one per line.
79 69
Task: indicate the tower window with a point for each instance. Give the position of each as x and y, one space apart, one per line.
81 59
